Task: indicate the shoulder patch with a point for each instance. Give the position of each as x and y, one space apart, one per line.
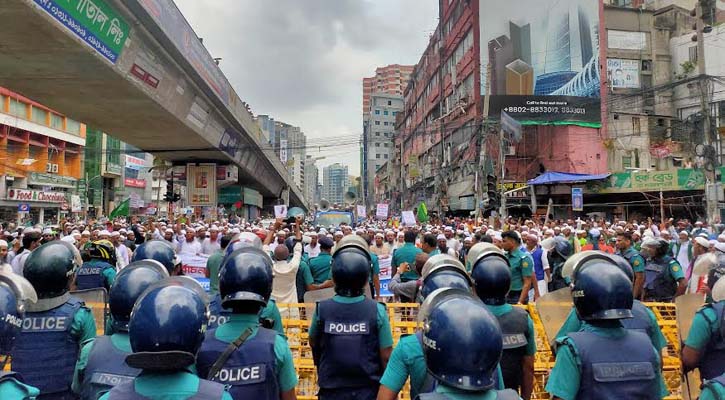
524 264
675 268
636 262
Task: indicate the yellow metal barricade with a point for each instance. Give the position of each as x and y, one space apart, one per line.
403 316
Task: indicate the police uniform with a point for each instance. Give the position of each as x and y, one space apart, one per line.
183 384
444 392
519 341
349 333
320 268
522 265
12 388
95 274
661 276
212 265
101 365
634 259
707 335
644 320
714 389
406 253
270 315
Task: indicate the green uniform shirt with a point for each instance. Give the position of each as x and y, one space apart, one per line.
574 324
120 341
530 334
407 360
675 270
385 336
213 263
406 253
374 266
83 326
15 390
271 312
705 324
457 394
522 265
178 385
710 391
285 369
306 274
435 252
635 259
320 268
566 375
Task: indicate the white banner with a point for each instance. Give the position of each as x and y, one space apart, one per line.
626 40
75 203
408 218
280 211
361 212
193 265
381 212
283 150
386 269
623 74
201 184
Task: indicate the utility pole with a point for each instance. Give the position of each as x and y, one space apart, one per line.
711 208
502 158
480 172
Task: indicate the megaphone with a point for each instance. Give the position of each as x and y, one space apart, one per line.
324 205
350 198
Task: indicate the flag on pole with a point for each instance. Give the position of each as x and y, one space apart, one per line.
121 210
422 212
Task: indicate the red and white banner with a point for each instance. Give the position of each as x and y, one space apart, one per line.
36 195
132 182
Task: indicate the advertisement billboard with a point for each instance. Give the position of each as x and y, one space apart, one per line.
542 60
201 184
623 74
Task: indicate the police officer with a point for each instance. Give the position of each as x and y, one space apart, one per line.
100 270
558 251
166 330
161 251
46 351
492 279
625 250
13 296
604 360
439 272
522 268
463 361
350 335
714 389
705 344
320 265
255 361
643 319
664 279
102 361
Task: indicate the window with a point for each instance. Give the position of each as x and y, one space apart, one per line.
56 121
38 115
626 162
377 122
377 112
636 128
17 108
395 113
386 156
377 156
377 134
693 54
390 103
385 112
377 144
386 144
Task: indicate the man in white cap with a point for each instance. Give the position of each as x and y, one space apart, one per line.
4 257
122 254
682 249
190 245
313 248
379 247
211 244
700 246
451 242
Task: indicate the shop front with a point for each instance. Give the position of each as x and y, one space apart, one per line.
30 207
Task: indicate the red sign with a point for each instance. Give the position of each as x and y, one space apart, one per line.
137 183
35 195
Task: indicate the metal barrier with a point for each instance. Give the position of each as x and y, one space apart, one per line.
403 321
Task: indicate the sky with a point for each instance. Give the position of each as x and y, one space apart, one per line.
302 62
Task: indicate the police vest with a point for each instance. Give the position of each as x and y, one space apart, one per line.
105 369
347 351
712 363
218 315
716 385
250 371
8 375
658 282
641 321
514 327
90 275
207 391
538 264
616 368
507 394
45 353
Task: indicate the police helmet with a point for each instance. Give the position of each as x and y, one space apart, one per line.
351 266
102 250
655 247
14 292
582 258
558 246
716 273
602 291
246 276
130 283
464 358
50 267
443 271
167 328
159 250
183 281
244 239
290 243
492 278
623 264
479 248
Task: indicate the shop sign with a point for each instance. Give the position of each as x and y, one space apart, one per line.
35 195
132 182
135 162
643 181
40 179
114 169
252 197
23 207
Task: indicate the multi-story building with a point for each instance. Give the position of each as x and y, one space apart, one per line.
104 166
334 183
391 79
137 179
267 125
377 138
311 182
296 168
42 164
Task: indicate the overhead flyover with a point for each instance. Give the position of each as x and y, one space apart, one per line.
137 70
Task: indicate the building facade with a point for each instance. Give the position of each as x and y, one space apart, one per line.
391 79
335 183
377 139
42 167
312 182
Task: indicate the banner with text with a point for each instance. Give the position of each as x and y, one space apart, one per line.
381 212
201 184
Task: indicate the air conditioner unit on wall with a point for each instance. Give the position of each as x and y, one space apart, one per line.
48 167
54 169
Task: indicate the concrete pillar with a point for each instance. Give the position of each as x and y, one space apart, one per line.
41 215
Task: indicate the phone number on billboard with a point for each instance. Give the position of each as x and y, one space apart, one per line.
545 110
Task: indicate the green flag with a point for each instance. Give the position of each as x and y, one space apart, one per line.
422 212
121 210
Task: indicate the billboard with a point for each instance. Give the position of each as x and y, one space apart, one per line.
623 74
542 60
201 185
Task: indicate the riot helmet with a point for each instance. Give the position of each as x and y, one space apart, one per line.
350 267
159 250
15 291
443 271
130 283
246 276
167 328
492 278
654 248
462 340
50 267
602 291
102 250
242 240
582 258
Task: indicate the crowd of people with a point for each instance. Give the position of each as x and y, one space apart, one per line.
168 337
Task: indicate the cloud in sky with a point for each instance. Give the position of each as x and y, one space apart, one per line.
302 62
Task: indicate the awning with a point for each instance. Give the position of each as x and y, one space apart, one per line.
553 177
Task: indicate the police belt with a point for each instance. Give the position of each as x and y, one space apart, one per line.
233 346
